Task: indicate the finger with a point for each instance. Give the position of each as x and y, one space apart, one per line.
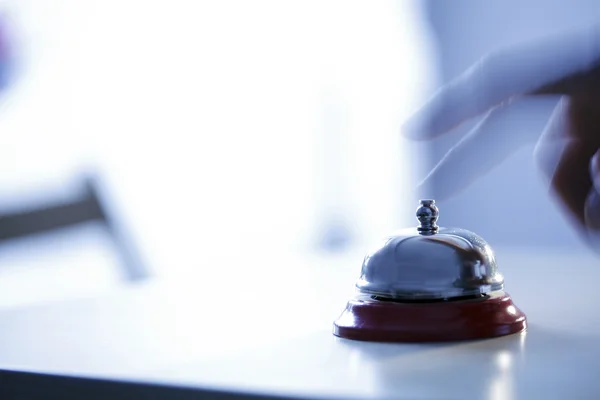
564 157
491 142
592 204
595 170
571 181
553 141
503 75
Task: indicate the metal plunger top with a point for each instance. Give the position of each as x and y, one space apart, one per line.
427 214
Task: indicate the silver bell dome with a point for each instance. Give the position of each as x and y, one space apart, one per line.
430 263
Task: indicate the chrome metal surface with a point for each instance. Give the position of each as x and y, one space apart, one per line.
430 262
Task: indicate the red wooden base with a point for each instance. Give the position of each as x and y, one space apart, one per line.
387 321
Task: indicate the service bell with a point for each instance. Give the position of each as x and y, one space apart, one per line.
430 283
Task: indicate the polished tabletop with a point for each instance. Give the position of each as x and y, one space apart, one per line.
262 324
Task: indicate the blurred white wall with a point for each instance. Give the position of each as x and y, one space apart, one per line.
220 126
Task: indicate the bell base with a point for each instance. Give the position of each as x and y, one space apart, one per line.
387 321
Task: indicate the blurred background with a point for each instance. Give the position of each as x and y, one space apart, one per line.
143 139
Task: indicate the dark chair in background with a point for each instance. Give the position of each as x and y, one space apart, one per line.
86 208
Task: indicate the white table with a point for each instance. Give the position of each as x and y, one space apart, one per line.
264 325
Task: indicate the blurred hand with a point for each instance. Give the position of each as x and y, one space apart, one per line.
568 150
